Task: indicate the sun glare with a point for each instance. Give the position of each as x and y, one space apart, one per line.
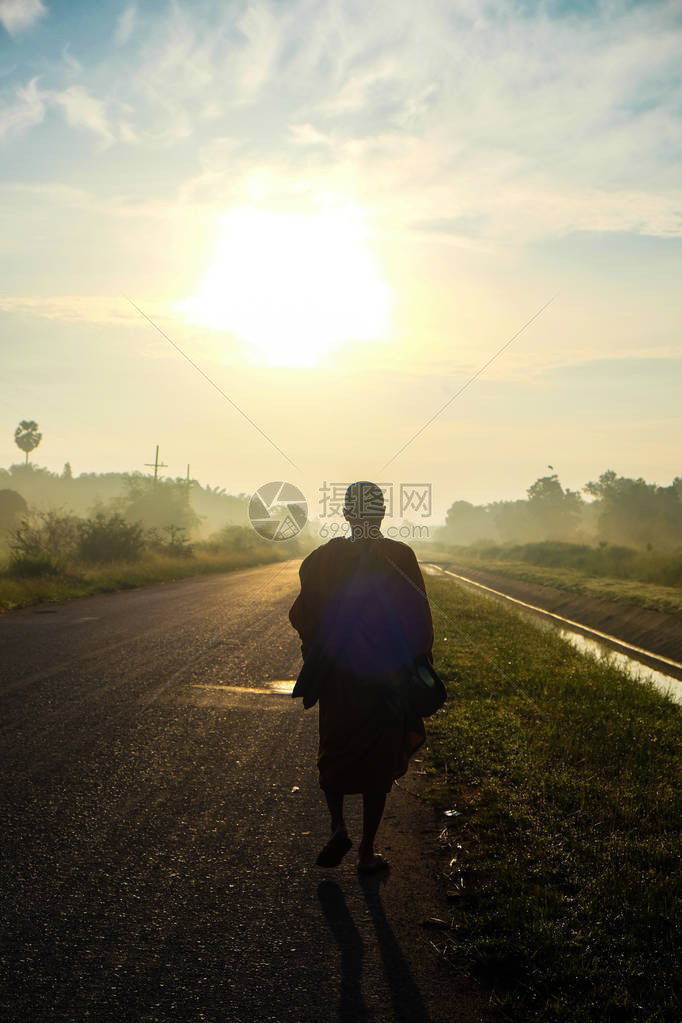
292 285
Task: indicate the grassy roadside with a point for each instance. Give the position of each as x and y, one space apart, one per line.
84 580
565 875
625 591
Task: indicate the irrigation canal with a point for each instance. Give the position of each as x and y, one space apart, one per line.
665 673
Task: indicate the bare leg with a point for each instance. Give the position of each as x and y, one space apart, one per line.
373 804
339 844
335 804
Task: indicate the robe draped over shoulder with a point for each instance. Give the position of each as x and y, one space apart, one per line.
363 604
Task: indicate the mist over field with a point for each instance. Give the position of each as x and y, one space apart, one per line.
613 509
201 510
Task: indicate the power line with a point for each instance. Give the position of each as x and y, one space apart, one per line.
212 383
464 386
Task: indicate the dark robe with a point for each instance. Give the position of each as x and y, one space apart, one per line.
363 605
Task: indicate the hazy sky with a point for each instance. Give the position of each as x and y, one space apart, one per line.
340 211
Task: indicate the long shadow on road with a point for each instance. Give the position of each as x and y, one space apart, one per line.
408 1005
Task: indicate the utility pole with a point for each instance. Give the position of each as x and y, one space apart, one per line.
156 464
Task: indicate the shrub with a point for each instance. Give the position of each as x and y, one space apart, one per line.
233 538
45 534
175 543
30 566
671 571
158 503
106 538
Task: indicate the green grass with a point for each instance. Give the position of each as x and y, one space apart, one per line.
651 595
565 875
83 580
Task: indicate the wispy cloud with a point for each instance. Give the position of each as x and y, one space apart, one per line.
83 111
453 124
26 110
73 66
19 15
29 103
521 121
70 308
125 25
525 125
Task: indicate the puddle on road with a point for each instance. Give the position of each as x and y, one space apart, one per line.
274 687
285 686
219 696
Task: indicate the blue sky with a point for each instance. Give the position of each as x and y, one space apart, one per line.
495 155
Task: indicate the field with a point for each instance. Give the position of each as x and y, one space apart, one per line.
622 575
564 778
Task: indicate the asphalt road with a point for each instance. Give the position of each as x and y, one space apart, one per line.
161 818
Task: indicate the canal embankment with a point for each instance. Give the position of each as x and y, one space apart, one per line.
656 632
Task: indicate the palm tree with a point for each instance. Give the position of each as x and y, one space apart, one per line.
26 436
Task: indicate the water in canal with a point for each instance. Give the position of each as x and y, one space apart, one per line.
585 644
666 683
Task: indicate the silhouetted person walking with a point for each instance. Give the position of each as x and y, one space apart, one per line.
362 615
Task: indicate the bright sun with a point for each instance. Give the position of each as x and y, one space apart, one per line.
292 285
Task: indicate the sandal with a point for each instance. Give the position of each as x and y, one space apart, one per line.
335 849
379 863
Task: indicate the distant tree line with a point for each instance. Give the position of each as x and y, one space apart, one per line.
619 510
136 497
